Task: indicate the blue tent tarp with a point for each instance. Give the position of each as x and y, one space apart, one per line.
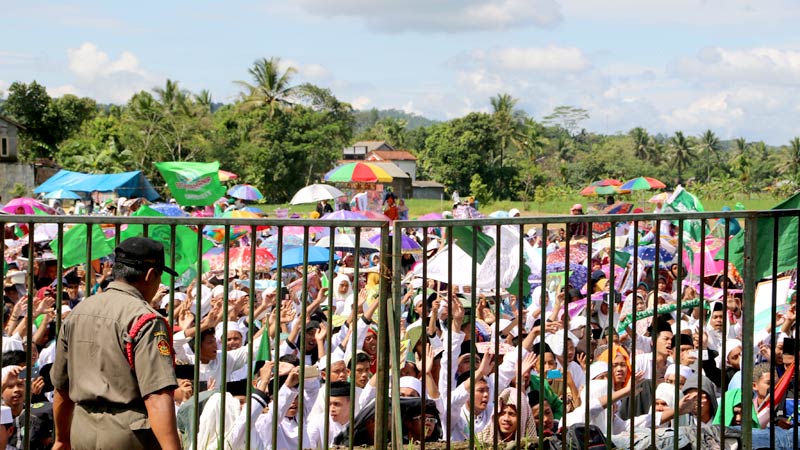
127 184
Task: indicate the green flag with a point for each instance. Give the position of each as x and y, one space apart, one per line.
75 245
682 201
462 236
787 243
621 258
264 353
192 183
185 241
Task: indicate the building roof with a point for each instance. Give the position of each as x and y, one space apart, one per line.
391 169
426 184
390 155
373 145
12 122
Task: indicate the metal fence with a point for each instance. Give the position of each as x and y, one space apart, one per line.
390 419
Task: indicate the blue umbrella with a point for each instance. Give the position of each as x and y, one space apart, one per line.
169 209
62 194
577 278
647 253
409 245
293 257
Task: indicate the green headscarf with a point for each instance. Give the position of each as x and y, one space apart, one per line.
552 398
733 397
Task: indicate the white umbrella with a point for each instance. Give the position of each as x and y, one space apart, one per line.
347 243
316 192
45 232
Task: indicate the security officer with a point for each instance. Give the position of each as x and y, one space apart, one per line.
107 401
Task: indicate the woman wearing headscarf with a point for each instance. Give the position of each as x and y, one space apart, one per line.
342 295
665 401
512 418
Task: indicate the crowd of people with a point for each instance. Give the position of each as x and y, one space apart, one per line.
570 350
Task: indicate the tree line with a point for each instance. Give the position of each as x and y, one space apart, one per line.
281 136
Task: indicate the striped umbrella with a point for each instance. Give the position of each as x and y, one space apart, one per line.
245 192
642 184
358 172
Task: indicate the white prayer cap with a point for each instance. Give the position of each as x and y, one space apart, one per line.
412 383
205 300
11 344
232 326
597 368
218 291
236 294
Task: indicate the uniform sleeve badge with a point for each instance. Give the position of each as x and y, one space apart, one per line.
163 347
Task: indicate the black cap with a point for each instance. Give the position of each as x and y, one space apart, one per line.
237 388
141 252
682 339
340 389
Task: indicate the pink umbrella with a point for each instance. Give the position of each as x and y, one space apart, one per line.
372 215
30 206
712 267
240 259
299 231
431 216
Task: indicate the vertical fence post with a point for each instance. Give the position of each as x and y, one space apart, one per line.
381 398
751 243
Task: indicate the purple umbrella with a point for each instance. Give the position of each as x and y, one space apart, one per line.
343 214
431 216
245 192
409 245
579 274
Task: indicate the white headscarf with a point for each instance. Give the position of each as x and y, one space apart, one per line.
666 392
208 435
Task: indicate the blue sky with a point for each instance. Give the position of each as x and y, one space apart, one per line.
729 65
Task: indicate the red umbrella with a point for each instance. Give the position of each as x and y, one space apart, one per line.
577 254
608 182
240 259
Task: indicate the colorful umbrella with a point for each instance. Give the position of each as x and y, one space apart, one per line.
62 194
647 253
372 215
607 182
358 172
409 245
347 243
291 240
642 184
577 254
601 190
299 231
169 209
239 259
224 175
293 257
245 192
343 214
30 206
660 198
316 192
252 209
577 278
619 208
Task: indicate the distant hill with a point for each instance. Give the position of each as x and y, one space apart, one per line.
365 119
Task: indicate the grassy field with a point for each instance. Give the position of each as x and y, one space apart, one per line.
420 207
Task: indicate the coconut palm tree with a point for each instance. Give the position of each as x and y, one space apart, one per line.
171 97
204 99
682 154
511 131
272 88
708 146
790 161
641 143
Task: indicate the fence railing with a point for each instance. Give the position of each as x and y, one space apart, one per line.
503 335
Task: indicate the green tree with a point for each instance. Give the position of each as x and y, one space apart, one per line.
567 118
271 89
791 160
30 105
708 146
682 154
641 143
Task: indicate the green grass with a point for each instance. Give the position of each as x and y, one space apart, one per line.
420 207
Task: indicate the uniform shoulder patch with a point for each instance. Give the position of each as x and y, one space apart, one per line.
163 347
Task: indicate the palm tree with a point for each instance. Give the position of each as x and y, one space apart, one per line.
790 162
681 153
708 146
272 88
204 99
171 96
641 143
509 125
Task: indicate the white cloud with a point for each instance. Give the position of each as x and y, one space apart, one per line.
481 82
310 72
552 59
703 13
760 65
3 88
58 91
361 102
714 111
106 79
440 15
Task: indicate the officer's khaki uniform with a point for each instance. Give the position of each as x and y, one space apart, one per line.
91 363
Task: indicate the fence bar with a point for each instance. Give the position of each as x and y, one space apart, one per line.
723 375
543 300
279 299
224 361
797 339
449 347
301 404
633 333
198 295
29 334
424 325
751 245
353 333
653 278
677 337
471 335
774 329
565 321
497 301
611 298
382 400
